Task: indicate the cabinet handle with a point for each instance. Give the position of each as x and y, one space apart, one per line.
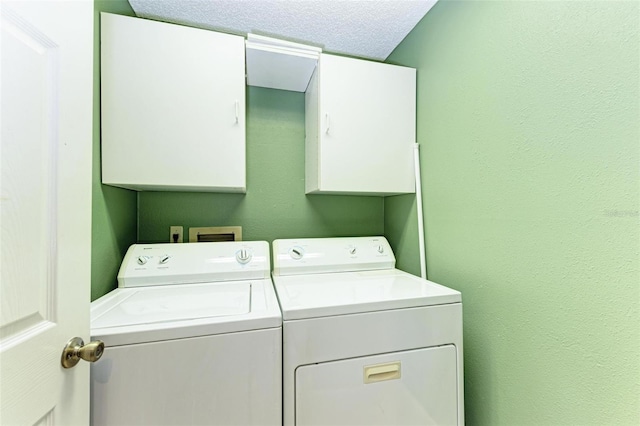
237 111
326 117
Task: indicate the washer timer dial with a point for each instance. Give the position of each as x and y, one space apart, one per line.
243 256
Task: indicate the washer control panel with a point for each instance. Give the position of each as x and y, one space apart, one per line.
320 255
158 264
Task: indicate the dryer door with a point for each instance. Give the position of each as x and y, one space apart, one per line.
401 388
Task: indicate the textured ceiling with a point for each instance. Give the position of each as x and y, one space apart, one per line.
362 28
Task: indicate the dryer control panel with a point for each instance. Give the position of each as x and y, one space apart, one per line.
322 255
161 264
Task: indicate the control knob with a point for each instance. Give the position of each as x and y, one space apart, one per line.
296 253
142 260
243 256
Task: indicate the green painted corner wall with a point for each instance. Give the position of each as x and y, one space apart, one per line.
529 123
113 210
401 230
275 205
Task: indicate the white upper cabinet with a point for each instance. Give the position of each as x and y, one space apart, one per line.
173 107
360 128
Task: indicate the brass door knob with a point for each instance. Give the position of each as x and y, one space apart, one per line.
75 350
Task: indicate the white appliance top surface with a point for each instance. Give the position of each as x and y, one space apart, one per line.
146 314
151 305
341 293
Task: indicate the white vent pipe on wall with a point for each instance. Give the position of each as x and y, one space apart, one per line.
423 258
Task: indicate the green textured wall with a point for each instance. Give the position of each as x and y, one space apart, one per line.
113 219
529 122
275 205
401 230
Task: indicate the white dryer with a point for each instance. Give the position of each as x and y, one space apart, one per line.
192 336
365 343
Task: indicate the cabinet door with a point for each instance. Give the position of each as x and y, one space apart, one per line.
366 126
417 387
173 107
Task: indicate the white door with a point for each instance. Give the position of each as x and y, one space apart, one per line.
45 205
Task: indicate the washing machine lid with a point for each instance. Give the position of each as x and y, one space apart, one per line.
165 304
145 314
321 295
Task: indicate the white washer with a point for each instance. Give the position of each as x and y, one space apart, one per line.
193 336
365 343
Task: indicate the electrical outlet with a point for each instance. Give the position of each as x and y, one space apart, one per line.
175 234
